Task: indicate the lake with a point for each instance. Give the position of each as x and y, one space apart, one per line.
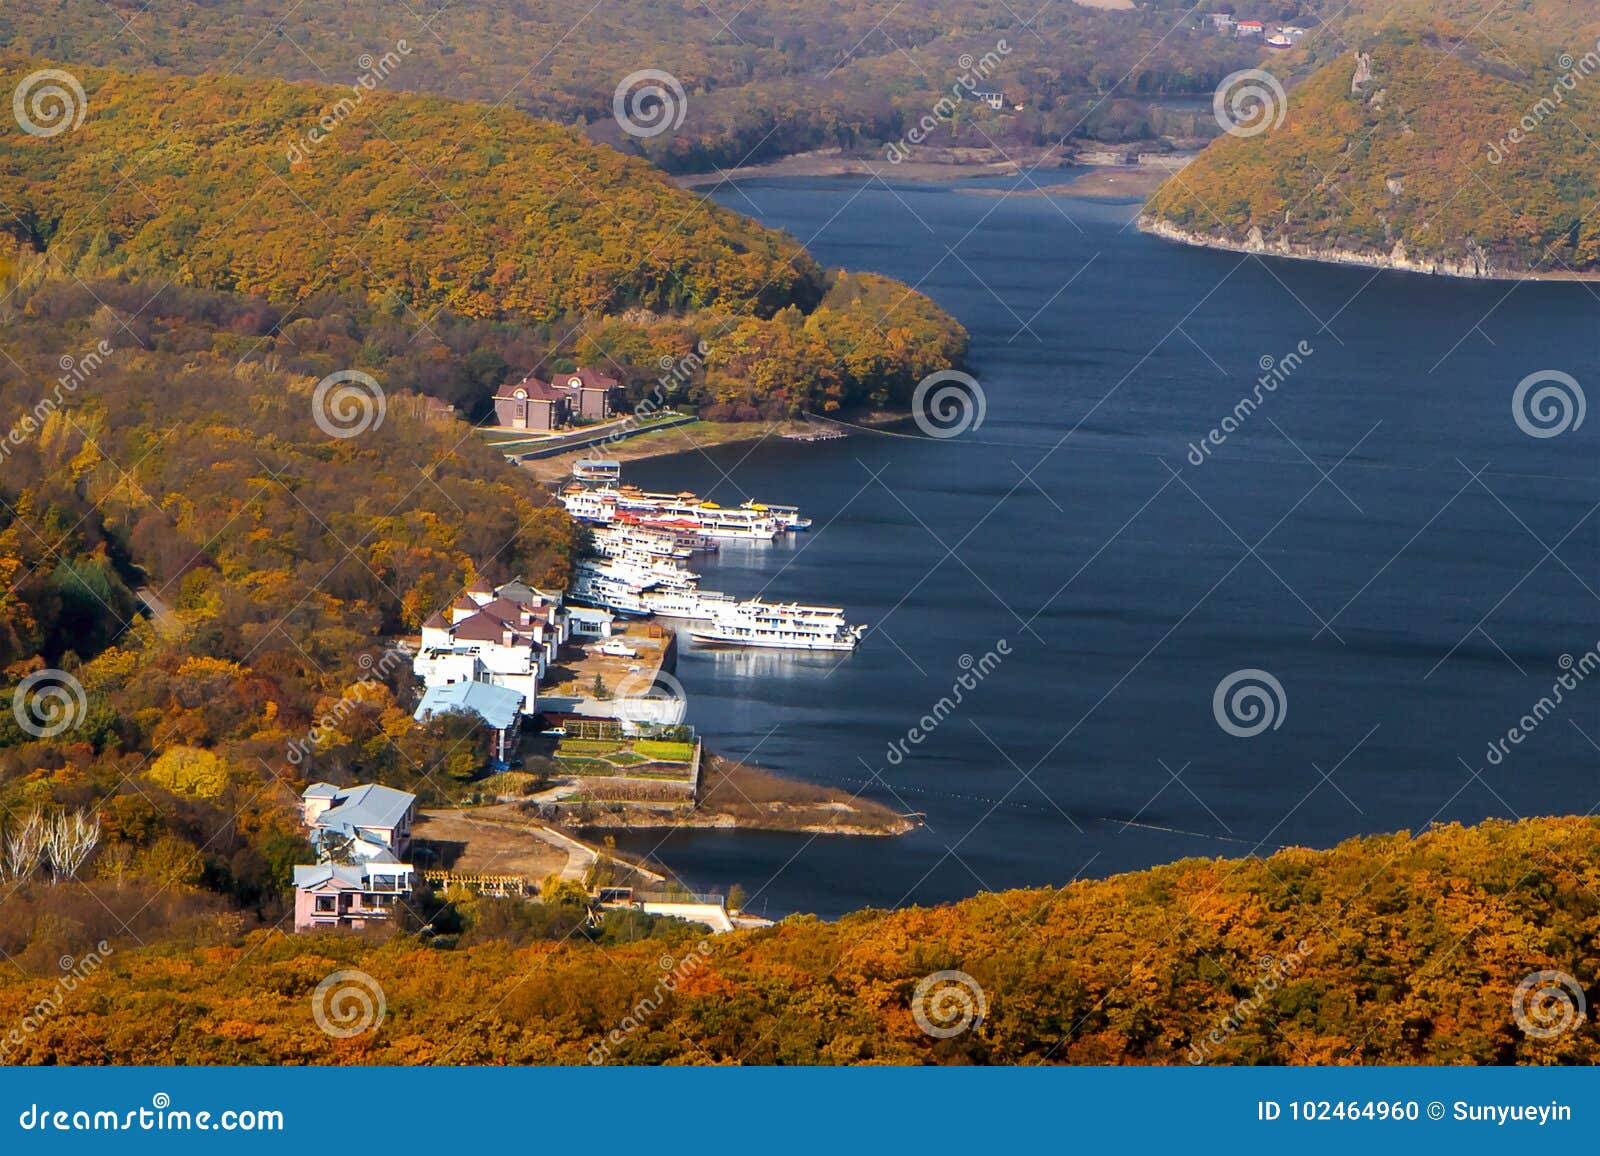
1376 532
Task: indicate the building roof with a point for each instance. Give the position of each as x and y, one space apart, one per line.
589 379
482 627
436 621
498 706
320 791
344 875
584 614
368 805
532 388
519 592
508 611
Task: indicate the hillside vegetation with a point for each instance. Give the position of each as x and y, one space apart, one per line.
419 205
763 80
1384 950
1563 22
1422 153
165 442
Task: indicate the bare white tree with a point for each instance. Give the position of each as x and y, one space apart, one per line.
25 844
70 838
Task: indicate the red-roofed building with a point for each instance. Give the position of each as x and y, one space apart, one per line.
531 404
506 635
591 394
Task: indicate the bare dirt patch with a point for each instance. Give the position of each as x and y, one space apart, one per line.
493 840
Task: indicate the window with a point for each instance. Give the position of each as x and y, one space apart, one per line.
327 903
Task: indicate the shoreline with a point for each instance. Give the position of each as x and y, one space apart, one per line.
656 445
941 165
1397 260
736 796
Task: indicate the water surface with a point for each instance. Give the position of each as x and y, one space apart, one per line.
1379 535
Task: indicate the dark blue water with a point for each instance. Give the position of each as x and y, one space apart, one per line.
1379 535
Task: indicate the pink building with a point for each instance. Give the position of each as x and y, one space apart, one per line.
369 818
349 895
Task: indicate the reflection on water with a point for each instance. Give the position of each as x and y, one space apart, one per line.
1347 539
755 662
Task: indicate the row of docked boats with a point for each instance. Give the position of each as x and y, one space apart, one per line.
641 542
628 505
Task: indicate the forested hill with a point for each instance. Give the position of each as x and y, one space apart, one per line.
1416 150
416 205
760 79
487 211
1550 22
1383 950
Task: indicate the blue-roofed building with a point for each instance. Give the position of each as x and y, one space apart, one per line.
367 820
499 707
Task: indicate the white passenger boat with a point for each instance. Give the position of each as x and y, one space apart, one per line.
781 626
693 604
589 589
596 506
682 531
619 539
640 574
720 523
788 517
597 471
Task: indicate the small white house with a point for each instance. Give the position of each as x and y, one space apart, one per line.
587 623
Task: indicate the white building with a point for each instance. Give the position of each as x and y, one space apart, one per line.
506 636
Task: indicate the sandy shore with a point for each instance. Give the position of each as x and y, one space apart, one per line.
684 439
735 795
939 165
692 438
1108 183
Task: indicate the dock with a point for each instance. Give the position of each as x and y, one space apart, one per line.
571 686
